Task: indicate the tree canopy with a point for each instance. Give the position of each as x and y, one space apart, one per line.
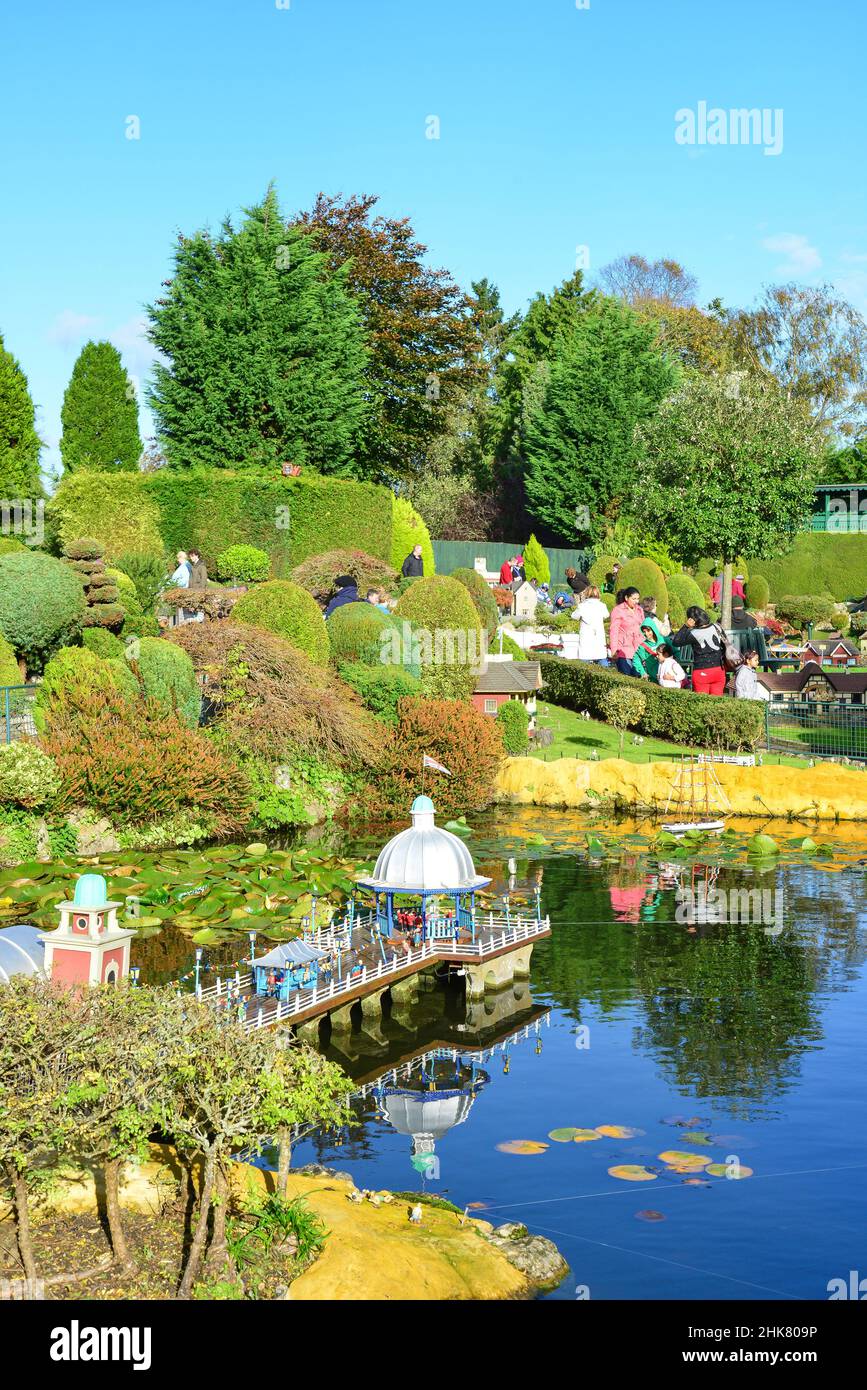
100 413
19 442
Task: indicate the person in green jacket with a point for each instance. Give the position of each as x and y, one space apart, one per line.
645 660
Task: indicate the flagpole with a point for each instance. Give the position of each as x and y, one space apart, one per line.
422 774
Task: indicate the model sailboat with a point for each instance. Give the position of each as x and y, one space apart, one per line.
696 801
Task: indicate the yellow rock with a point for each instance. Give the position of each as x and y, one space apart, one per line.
830 792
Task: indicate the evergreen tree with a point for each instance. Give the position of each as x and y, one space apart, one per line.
100 413
19 442
577 435
264 352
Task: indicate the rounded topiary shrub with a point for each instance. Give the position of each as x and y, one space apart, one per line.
317 575
381 687
514 719
448 635
110 615
648 579
483 599
289 611
407 531
85 549
683 592
72 678
103 643
609 600
167 676
361 632
246 563
28 777
758 592
599 572
41 605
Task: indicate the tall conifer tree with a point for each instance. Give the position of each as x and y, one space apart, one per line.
19 442
100 413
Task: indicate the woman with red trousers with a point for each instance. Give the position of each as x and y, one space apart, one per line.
708 648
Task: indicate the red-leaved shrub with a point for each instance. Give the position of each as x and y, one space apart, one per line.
456 734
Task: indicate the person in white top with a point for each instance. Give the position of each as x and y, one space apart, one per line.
591 613
671 674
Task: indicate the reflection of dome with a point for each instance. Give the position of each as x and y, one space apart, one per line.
425 857
21 952
426 1117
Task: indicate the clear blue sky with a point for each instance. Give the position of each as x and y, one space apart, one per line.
556 130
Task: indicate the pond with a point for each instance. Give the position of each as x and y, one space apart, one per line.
692 1042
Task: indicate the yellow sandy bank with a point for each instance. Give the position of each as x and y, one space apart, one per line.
824 793
371 1252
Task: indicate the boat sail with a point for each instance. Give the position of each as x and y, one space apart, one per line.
696 801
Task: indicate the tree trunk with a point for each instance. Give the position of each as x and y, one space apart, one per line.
284 1136
18 1183
726 605
197 1246
218 1263
113 1213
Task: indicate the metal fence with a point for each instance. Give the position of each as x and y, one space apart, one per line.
452 555
16 712
816 729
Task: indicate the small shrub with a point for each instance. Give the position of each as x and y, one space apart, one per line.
41 605
86 549
288 611
317 575
72 676
147 571
110 615
167 677
758 593
623 709
28 777
515 721
246 563
381 688
450 640
536 564
103 643
9 672
648 579
462 738
502 642
599 572
803 609
483 599
8 544
358 632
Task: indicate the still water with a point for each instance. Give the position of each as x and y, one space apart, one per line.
747 1036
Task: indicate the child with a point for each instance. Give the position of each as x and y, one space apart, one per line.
645 659
671 674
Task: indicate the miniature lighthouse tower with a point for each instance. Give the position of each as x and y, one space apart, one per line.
88 948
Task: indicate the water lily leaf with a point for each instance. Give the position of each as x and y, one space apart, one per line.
649 1215
571 1135
681 1158
257 849
632 1172
763 847
205 936
695 1136
619 1131
522 1146
729 1170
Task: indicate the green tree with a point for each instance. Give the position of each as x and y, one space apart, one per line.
100 413
729 466
577 437
264 352
19 442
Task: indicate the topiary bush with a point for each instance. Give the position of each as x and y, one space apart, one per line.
758 592
381 688
818 561
84 549
448 635
147 570
9 544
289 611
610 600
246 563
71 677
681 716
41 605
167 678
409 530
28 777
360 632
648 579
683 592
109 615
536 563
599 572
483 599
704 580
103 644
317 575
802 610
515 721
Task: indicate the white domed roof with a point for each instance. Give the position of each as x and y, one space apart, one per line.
425 857
431 1114
21 952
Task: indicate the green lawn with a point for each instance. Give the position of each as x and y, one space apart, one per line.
578 738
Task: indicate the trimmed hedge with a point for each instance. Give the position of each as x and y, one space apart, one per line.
408 530
246 563
600 569
819 562
289 611
355 633
449 629
483 600
381 687
681 716
210 510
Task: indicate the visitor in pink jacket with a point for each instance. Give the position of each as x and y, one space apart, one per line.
624 633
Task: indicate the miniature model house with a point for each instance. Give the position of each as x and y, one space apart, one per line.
88 948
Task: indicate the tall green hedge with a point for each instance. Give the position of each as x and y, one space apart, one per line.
819 562
681 716
408 530
290 518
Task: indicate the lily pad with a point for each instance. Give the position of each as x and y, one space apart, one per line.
631 1172
734 1171
572 1135
257 849
522 1146
694 1136
682 1159
619 1131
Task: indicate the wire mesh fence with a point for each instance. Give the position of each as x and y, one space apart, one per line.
817 729
16 712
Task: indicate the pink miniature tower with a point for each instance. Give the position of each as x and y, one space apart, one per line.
88 948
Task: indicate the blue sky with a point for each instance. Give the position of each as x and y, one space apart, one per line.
557 130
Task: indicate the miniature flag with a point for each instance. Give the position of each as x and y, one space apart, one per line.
437 767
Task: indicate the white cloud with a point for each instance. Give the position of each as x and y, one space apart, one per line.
801 257
130 339
69 328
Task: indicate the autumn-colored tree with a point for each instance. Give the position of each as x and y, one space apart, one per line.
462 738
421 338
639 281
